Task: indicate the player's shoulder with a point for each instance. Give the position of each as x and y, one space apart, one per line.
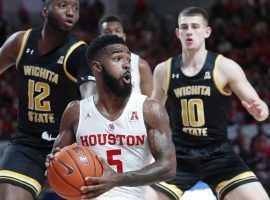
71 113
152 105
226 64
18 34
17 37
73 105
13 45
162 66
161 70
143 63
145 69
153 111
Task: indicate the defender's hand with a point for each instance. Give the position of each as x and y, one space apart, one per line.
255 108
50 157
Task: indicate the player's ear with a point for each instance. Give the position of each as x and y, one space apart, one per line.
208 32
96 66
177 32
124 36
44 12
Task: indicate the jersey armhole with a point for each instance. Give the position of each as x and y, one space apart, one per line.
168 72
71 49
79 121
216 81
25 37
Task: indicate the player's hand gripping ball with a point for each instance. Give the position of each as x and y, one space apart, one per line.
69 167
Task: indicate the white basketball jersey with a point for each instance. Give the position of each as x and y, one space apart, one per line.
122 143
135 73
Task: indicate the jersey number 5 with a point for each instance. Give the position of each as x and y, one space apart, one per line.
36 101
192 112
111 161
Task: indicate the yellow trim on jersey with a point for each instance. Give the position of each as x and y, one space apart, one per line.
168 74
71 49
216 81
171 189
25 180
25 37
224 185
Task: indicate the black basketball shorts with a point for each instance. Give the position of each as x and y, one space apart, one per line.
217 166
23 166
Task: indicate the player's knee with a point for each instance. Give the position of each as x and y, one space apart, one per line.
249 191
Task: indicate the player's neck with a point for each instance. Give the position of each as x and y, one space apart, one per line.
54 34
50 39
109 105
194 59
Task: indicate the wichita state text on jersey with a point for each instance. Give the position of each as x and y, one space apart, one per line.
46 83
196 109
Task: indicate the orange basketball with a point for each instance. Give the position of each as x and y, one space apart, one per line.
68 169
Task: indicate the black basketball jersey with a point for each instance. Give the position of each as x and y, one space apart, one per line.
197 106
46 84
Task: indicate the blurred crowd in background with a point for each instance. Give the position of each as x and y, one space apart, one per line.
241 31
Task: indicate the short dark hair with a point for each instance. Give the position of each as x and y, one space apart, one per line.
99 43
194 11
109 18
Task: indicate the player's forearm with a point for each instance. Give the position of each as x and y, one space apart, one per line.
58 143
153 173
63 139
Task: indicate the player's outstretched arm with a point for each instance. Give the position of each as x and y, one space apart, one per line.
234 77
10 50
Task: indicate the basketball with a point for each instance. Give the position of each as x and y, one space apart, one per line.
69 167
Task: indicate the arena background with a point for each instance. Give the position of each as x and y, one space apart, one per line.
241 31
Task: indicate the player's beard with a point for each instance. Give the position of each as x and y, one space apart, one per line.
53 23
114 85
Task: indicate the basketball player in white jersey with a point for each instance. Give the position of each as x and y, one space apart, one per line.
142 78
125 128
